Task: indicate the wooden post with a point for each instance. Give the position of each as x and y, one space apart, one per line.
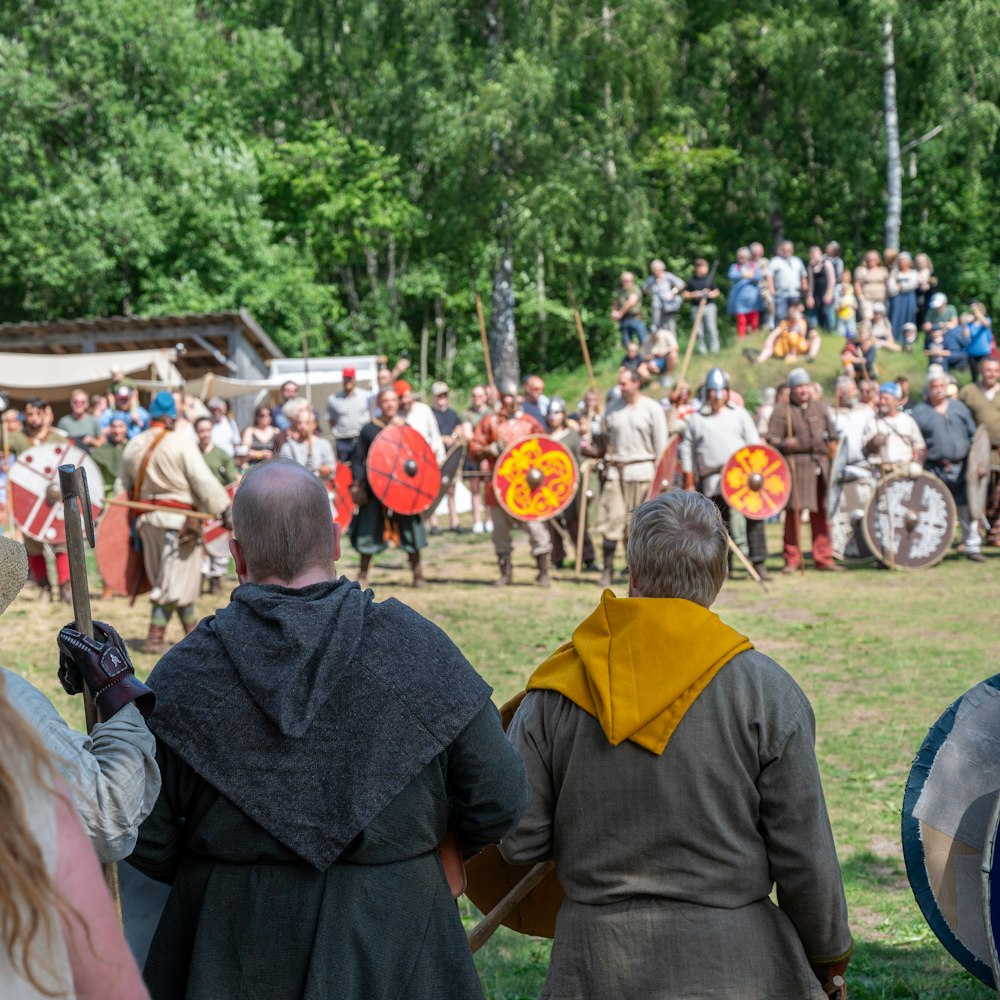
6 465
486 343
583 339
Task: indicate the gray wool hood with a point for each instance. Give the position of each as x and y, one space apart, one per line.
312 709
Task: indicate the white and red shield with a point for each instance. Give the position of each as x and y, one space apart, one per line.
34 489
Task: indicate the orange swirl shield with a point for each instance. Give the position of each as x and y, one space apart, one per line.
756 482
535 479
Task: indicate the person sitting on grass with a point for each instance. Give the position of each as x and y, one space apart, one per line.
792 338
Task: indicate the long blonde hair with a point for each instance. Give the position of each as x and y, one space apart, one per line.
29 899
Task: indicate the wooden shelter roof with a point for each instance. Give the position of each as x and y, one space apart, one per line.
208 341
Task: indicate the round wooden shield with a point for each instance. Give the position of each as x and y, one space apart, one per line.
402 470
535 478
846 531
450 468
990 874
977 473
909 523
947 805
665 476
756 481
340 496
120 565
215 535
489 877
33 485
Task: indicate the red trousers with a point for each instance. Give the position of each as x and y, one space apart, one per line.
746 320
822 547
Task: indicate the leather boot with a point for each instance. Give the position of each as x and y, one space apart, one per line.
43 590
506 571
215 585
418 575
66 592
362 576
543 571
188 629
155 642
762 572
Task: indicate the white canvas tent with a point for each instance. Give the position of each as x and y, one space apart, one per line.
324 377
55 375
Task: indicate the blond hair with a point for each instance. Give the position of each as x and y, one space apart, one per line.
29 900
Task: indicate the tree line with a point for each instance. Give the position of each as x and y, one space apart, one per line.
354 172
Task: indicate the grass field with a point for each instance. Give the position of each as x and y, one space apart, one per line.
880 655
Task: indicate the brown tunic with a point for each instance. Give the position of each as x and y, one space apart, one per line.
806 449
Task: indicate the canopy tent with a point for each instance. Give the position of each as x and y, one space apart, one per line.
56 375
325 377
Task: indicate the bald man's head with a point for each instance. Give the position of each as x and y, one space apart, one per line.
282 522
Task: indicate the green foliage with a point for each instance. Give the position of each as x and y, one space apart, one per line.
338 169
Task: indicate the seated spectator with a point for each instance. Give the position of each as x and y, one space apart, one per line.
939 313
791 338
632 359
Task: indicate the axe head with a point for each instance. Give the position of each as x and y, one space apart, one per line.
73 486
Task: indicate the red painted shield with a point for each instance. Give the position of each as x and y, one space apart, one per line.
666 468
120 565
535 479
340 495
215 535
402 470
756 482
34 489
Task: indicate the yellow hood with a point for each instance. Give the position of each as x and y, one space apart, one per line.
637 664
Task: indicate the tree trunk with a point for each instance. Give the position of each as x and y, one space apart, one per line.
894 166
438 334
543 330
503 333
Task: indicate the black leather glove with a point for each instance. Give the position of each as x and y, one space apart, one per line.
103 664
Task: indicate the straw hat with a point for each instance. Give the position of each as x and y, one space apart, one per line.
13 570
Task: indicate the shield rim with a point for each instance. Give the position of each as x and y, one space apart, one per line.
453 466
913 855
570 496
835 485
977 488
656 487
866 531
95 485
991 899
763 445
416 443
859 561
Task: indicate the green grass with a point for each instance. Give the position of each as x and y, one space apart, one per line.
881 655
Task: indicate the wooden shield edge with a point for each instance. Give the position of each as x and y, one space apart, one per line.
913 855
977 483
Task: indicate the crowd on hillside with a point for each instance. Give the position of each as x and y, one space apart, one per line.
882 305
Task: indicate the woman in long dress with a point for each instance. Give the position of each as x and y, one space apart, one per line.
902 289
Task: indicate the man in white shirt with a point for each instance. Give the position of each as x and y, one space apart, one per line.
786 279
